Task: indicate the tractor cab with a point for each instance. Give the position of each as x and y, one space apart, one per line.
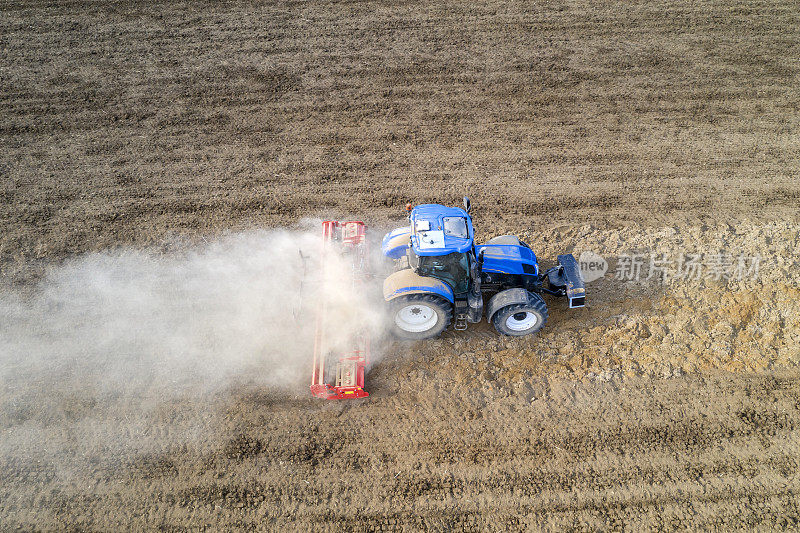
441 245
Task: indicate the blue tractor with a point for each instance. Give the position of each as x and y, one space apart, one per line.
442 276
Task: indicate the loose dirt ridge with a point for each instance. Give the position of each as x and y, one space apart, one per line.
663 128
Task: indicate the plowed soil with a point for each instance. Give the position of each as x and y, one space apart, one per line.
660 128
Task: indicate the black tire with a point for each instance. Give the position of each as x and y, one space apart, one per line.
509 320
441 307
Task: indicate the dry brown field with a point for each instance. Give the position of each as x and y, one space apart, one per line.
652 127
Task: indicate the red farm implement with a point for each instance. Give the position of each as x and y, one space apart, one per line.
350 240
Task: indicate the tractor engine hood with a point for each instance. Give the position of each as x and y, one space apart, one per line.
508 259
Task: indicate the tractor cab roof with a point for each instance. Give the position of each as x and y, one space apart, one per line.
440 230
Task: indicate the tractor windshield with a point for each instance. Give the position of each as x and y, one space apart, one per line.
453 269
455 226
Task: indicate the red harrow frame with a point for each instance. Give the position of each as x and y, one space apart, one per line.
351 238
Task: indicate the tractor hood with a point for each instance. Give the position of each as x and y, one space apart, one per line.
439 230
508 259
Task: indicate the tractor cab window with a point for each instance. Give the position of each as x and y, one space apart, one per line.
453 269
455 227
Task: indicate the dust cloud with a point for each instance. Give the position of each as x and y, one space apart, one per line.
108 337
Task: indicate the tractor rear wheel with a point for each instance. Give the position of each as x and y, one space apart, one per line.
521 319
420 316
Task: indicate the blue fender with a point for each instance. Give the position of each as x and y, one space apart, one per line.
406 281
396 242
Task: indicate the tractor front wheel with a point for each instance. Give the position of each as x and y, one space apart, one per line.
420 316
521 319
